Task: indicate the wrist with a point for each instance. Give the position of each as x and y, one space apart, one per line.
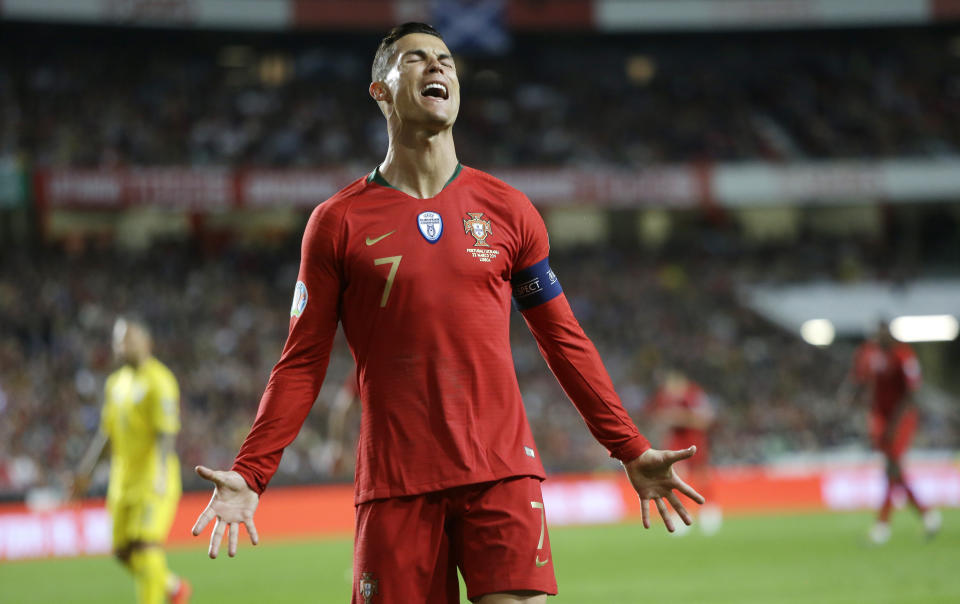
632 449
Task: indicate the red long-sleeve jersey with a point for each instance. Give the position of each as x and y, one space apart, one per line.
891 374
423 290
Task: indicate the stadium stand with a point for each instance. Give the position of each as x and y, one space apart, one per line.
144 98
221 335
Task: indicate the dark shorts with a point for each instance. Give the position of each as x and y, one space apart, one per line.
408 549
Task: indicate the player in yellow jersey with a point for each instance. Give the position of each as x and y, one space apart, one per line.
140 418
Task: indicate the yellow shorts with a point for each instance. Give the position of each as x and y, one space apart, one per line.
148 519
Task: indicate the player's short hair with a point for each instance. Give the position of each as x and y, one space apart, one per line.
385 51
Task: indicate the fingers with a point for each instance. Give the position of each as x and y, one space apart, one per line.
682 511
689 492
216 538
205 517
206 473
662 508
645 512
232 539
672 457
252 530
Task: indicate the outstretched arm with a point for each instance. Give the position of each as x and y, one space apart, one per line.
291 390
577 365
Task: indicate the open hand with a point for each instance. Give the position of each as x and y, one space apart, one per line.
233 502
653 477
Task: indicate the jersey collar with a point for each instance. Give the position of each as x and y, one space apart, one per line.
377 178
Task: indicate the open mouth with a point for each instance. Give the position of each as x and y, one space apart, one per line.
435 90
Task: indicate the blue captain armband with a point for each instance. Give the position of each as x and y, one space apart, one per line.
535 285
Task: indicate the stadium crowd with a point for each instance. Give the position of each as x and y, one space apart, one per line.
220 334
145 98
192 98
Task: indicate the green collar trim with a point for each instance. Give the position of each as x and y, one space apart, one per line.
377 178
456 173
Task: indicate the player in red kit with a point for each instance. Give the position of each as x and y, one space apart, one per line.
418 261
889 372
683 410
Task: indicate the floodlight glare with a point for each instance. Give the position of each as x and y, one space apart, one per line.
925 328
819 332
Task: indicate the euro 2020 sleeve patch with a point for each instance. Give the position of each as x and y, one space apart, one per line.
299 299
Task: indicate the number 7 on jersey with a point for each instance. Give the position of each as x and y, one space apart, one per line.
394 261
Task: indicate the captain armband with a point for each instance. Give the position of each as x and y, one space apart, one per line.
535 285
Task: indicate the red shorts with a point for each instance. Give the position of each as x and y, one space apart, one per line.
408 549
902 435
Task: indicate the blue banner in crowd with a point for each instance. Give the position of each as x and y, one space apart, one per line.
472 27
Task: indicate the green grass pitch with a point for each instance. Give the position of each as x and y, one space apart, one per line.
818 558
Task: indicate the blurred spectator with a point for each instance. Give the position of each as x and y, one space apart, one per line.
85 98
222 334
75 96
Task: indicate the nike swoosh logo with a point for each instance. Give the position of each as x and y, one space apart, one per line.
380 238
539 563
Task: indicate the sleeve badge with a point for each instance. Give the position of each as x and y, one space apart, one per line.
299 300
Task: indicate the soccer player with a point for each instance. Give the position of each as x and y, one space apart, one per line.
140 419
418 261
683 409
888 370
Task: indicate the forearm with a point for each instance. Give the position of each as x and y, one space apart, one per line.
575 362
289 395
297 376
92 455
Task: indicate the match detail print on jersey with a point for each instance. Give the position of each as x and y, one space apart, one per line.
430 225
535 285
299 299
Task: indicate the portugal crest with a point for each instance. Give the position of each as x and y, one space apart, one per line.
368 587
478 227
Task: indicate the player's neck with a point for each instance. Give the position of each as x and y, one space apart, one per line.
136 362
420 164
